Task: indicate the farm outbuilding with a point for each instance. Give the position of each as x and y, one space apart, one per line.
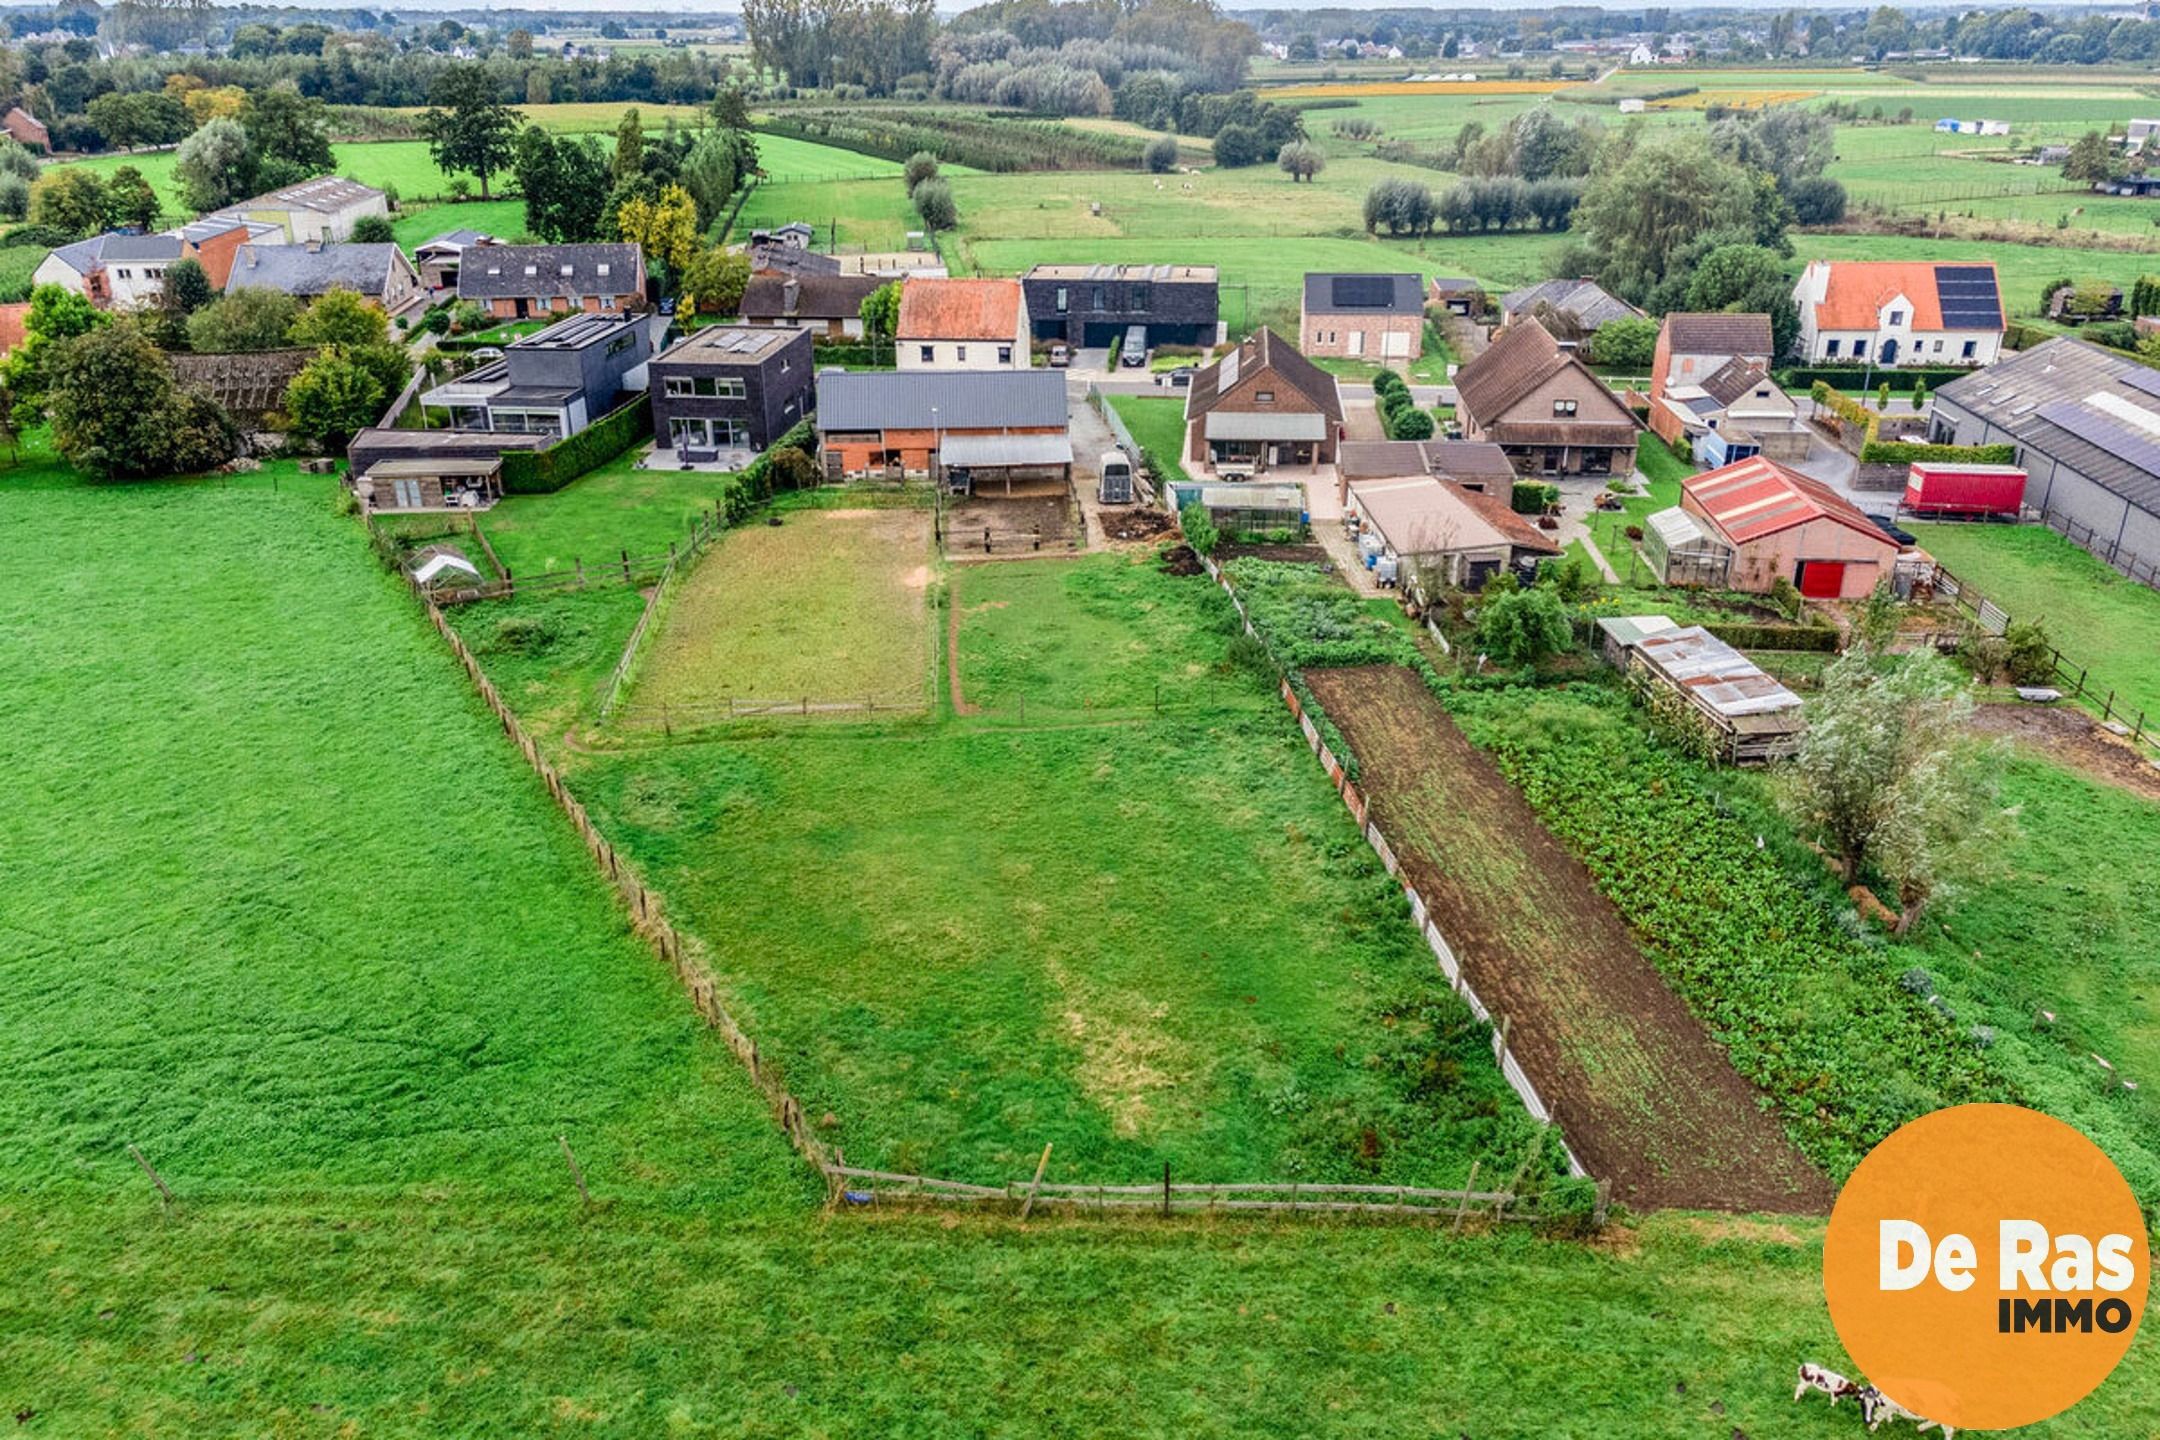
1782 525
440 483
1747 716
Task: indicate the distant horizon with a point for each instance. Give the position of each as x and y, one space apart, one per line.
946 7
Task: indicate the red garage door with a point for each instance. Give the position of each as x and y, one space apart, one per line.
1822 579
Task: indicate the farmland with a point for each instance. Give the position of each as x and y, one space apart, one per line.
599 515
830 606
1648 1100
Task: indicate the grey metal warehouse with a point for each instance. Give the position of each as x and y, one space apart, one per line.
2086 424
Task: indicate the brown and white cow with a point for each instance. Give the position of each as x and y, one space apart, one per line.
1815 1377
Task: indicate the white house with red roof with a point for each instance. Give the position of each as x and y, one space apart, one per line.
1889 313
1771 523
962 325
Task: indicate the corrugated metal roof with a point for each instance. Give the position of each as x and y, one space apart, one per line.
1265 425
2019 393
1714 673
1248 496
994 450
961 400
1751 498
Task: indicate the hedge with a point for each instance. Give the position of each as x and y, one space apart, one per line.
540 472
1898 452
861 357
1743 636
1531 497
753 487
1852 376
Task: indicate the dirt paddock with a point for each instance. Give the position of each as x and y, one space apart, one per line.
2069 736
1644 1095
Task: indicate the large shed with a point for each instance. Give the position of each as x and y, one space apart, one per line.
1782 525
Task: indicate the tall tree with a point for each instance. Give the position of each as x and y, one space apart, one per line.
216 165
57 314
468 129
1635 217
713 282
666 228
289 133
69 198
566 184
117 414
129 200
629 147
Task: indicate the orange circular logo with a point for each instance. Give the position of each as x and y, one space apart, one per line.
1986 1267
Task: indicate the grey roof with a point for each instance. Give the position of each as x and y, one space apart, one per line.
730 345
307 270
326 194
1585 300
1327 293
499 271
142 247
963 399
991 451
807 297
452 239
1456 459
82 256
577 332
2046 396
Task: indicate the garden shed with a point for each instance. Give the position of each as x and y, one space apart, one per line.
1683 552
1685 673
1247 508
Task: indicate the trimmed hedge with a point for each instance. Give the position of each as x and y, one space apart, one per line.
541 472
1530 497
1850 376
1743 636
754 486
864 357
1899 452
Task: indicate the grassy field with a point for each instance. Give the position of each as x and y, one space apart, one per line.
1158 424
504 219
2096 618
402 164
787 160
831 605
312 928
1146 942
1104 635
598 516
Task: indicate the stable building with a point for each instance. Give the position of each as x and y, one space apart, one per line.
994 426
1261 407
731 388
1363 317
1543 406
1093 305
323 210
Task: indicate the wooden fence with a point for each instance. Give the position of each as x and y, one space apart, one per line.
1354 801
704 529
2109 552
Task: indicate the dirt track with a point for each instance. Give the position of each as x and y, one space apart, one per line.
1645 1097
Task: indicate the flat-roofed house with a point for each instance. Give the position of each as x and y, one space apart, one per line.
1261 407
556 382
1900 312
1542 405
1092 305
1008 422
324 209
962 325
514 282
731 387
1366 317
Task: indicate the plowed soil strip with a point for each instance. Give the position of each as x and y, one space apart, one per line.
1644 1095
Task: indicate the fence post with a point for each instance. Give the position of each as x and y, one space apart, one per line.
1464 1208
626 567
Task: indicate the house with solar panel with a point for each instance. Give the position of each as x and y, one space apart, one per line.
1888 313
730 389
1363 317
2086 423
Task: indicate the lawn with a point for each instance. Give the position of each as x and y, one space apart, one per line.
1147 942
786 160
504 219
284 910
1158 423
829 606
17 263
1093 634
601 514
551 651
2095 616
403 165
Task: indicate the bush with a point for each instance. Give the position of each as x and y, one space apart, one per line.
373 230
1533 497
540 472
921 166
1387 383
934 203
1160 157
1411 424
1785 598
1525 627
2029 654
1199 528
1904 452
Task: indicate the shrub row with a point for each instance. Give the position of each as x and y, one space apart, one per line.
1901 452
985 144
1533 497
539 472
759 479
1743 636
1851 376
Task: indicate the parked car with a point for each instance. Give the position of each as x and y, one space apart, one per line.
1060 355
1178 379
1134 352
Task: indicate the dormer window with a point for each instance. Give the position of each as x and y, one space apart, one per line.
532 270
1897 317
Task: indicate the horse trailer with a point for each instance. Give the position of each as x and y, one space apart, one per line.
1116 487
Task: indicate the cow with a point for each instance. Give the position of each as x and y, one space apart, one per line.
1815 1377
1876 1407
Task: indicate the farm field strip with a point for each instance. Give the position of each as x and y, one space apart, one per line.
1645 1096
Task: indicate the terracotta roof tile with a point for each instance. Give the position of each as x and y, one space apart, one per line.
1858 289
940 309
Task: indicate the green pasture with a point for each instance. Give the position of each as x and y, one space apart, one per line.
504 219
1158 423
598 516
2100 620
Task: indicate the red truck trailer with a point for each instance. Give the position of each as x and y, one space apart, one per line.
1936 488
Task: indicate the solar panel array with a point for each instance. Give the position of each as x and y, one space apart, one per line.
2137 377
1969 298
1364 292
2118 439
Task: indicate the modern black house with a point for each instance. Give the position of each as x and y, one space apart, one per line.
731 387
1091 305
556 382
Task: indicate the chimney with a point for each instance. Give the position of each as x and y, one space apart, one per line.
790 296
